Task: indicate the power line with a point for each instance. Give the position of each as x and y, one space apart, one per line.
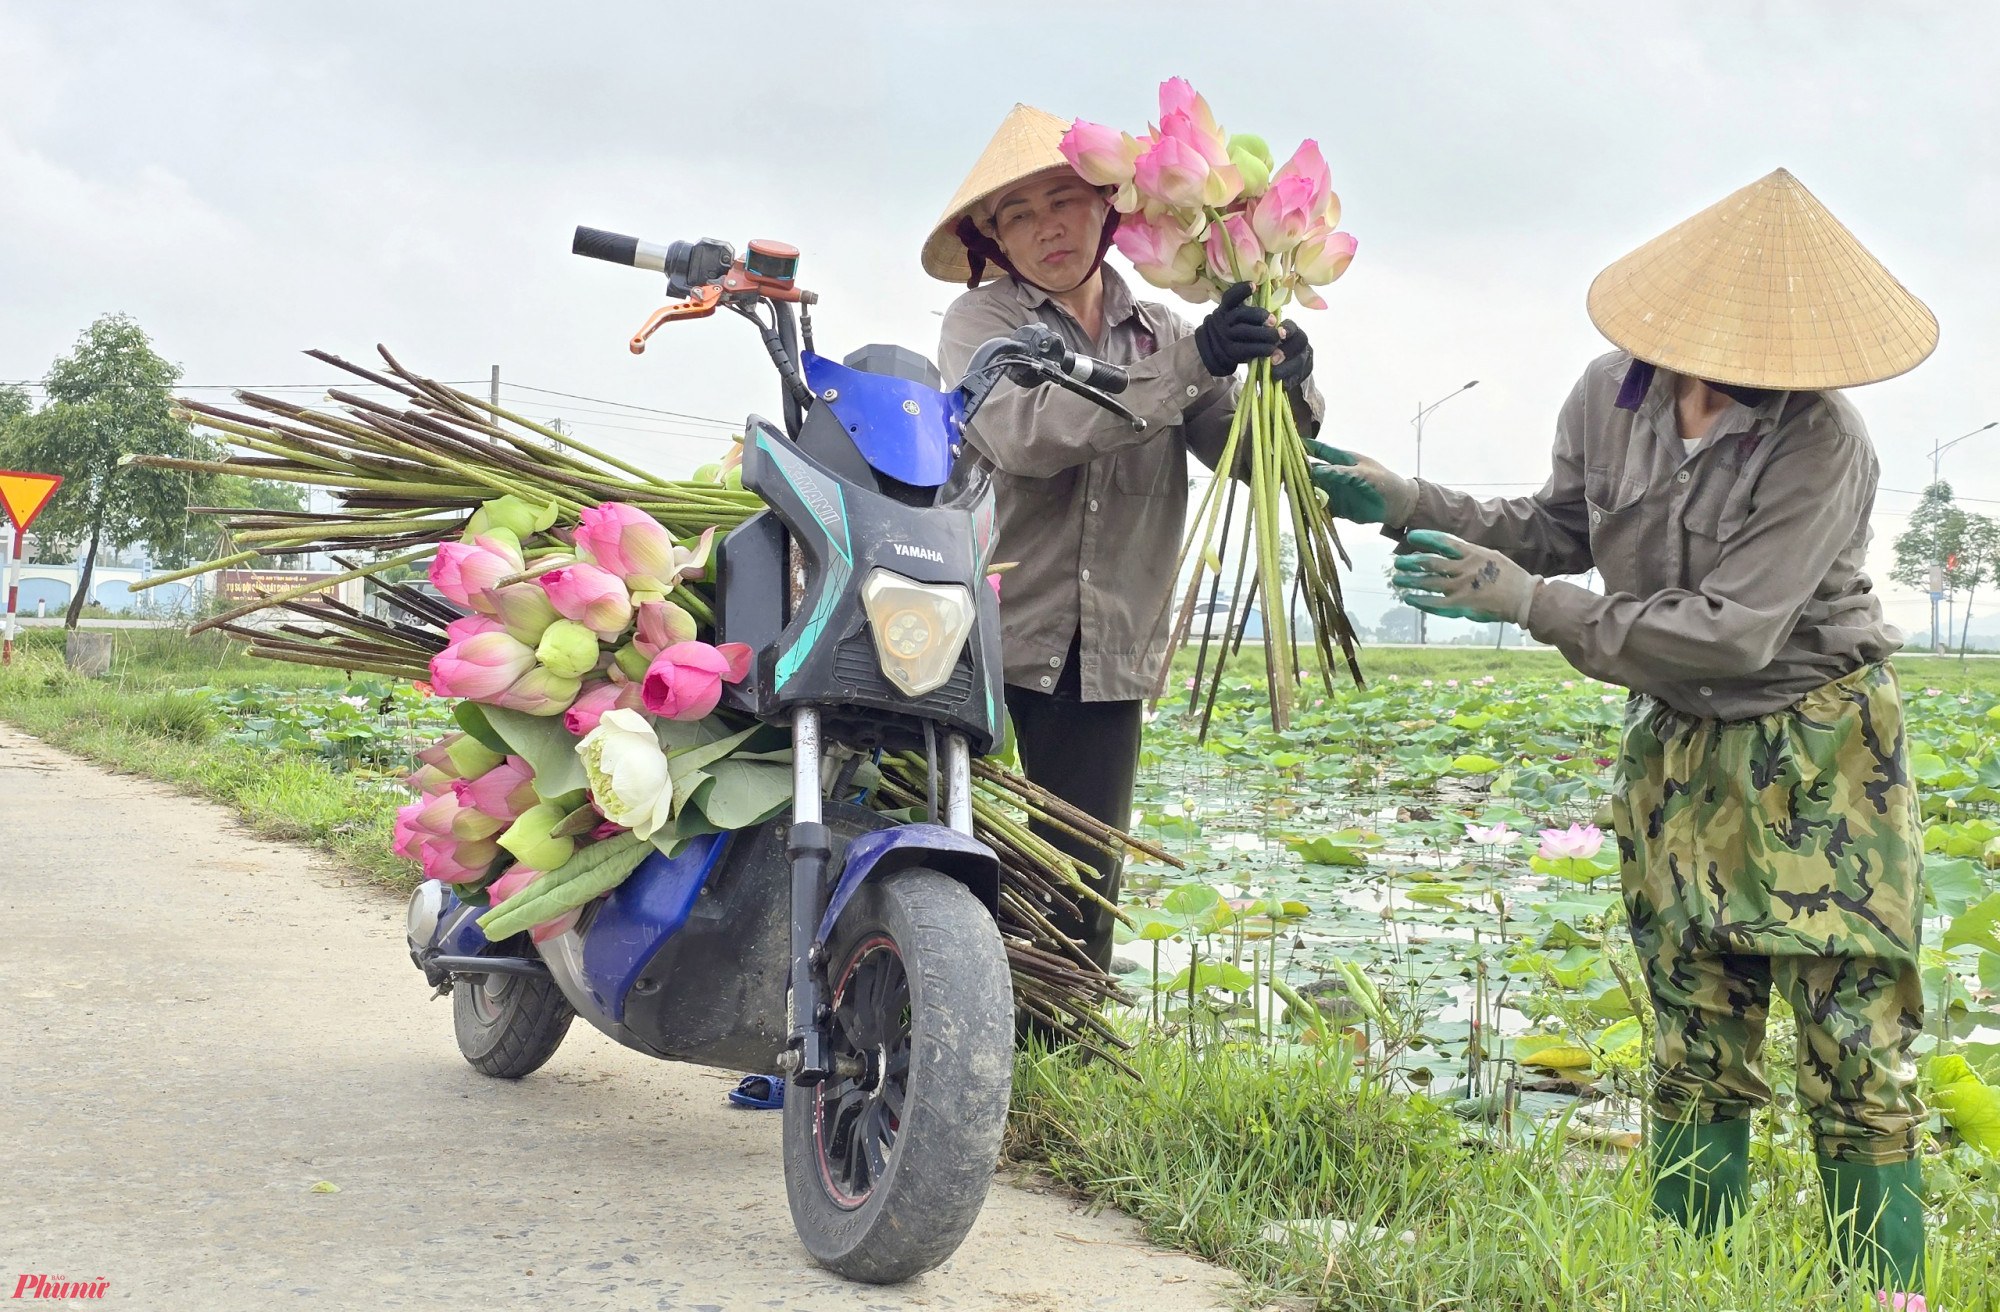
654 410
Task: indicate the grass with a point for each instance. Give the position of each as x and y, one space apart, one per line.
1211 1154
1207 1153
141 719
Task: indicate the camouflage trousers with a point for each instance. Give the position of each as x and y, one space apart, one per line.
1780 852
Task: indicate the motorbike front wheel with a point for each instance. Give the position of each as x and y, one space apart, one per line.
508 1025
887 1169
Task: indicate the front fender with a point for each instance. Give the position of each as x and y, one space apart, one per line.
934 847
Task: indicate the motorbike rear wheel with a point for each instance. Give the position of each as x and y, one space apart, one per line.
508 1025
887 1170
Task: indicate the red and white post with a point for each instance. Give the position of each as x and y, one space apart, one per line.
13 595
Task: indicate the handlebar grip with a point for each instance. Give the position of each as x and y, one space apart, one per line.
617 248
1096 373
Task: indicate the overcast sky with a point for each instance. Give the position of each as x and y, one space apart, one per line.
251 179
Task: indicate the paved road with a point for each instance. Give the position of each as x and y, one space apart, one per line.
199 1025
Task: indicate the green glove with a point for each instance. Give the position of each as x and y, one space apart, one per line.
1360 489
1462 581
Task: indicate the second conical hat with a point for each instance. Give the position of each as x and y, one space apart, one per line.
1765 289
1029 142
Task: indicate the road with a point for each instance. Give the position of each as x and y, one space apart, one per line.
201 1025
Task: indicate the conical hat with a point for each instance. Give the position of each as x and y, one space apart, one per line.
1026 144
1765 289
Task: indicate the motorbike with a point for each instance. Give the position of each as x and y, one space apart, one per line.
856 955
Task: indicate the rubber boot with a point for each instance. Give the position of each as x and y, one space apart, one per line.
1701 1173
1876 1214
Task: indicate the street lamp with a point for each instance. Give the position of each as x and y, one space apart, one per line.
1422 412
1937 566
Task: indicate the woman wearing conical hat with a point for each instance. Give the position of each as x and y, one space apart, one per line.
1090 510
1716 478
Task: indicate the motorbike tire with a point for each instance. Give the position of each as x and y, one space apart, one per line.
508 1025
885 1181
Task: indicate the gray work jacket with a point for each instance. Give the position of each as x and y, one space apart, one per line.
1732 576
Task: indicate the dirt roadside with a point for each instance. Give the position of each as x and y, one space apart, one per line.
200 1025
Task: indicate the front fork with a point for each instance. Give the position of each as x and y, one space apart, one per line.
809 1056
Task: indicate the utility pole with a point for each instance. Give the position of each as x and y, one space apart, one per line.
493 389
1422 411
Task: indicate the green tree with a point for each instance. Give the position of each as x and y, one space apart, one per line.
107 399
1935 536
1978 560
14 404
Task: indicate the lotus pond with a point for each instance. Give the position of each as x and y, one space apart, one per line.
1378 877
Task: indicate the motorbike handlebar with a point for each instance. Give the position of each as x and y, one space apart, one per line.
1095 373
687 264
617 248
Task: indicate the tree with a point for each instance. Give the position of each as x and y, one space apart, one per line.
107 399
14 404
1935 537
1978 559
1398 625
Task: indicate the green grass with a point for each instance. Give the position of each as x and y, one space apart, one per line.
1208 1153
142 719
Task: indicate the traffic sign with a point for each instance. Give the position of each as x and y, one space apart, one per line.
24 495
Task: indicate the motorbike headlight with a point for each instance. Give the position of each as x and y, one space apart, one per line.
919 628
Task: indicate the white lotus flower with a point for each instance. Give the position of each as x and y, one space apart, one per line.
629 779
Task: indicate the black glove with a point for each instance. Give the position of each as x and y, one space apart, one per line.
1234 333
1297 365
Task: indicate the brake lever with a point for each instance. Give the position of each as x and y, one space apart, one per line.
1091 394
698 306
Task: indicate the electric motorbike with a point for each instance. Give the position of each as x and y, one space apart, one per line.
856 955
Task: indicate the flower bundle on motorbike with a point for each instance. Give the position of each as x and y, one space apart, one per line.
1205 209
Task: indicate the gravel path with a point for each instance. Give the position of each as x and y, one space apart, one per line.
201 1025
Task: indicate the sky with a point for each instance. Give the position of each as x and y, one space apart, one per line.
249 180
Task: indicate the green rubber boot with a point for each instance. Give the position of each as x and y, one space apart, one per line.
1876 1214
1701 1173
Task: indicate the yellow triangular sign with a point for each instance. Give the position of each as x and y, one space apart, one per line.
24 495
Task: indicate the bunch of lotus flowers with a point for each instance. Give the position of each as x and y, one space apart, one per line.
583 631
1204 209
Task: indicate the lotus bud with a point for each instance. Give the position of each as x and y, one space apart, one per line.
524 609
471 757
708 473
630 543
1323 256
467 572
1283 215
684 682
502 792
434 817
512 880
1173 172
592 596
521 518
430 780
1306 162
632 659
409 839
549 929
1100 155
482 666
661 624
567 650
591 704
1252 159
540 691
529 840
438 754
470 825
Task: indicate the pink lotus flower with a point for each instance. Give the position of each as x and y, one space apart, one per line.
515 878
1162 256
1306 162
1100 155
470 626
457 863
482 666
1577 843
1178 96
661 625
1233 250
430 779
409 839
591 704
434 816
1490 835
993 582
593 597
630 543
684 682
502 792
1172 171
438 754
539 691
1223 183
1323 256
466 572
1283 215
